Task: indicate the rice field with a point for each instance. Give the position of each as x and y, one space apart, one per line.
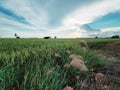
38 64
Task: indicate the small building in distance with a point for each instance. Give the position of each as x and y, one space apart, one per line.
115 36
47 37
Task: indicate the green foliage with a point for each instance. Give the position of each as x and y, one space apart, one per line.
24 63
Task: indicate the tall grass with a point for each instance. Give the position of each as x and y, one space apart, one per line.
24 63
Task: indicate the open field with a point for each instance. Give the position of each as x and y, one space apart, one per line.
38 64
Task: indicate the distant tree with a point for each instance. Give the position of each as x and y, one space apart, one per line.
17 36
96 37
55 37
115 36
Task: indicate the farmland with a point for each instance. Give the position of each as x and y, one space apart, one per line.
31 64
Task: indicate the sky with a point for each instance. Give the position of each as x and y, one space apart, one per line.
61 18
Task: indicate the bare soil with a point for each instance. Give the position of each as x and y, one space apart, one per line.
111 53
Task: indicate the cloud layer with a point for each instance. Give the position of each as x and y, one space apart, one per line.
62 18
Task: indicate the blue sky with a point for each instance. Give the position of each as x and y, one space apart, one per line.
108 21
61 18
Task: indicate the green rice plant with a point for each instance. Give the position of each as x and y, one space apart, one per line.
25 62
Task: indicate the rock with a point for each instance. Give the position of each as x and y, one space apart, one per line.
68 88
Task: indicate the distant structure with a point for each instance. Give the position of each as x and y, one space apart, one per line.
17 36
55 37
115 36
48 37
96 37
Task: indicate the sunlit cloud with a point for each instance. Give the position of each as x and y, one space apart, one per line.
91 12
64 19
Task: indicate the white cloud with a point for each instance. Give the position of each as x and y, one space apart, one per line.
114 29
71 24
9 27
74 34
91 12
9 33
108 32
36 16
9 23
87 14
77 31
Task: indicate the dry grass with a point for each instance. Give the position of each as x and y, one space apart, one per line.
68 51
84 49
83 43
57 55
73 56
77 61
48 72
67 65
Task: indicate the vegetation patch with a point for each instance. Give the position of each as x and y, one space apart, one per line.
53 64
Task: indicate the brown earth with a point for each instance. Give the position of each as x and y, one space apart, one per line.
112 54
110 51
113 49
